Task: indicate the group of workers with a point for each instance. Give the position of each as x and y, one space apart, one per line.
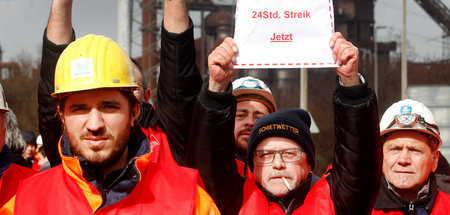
220 148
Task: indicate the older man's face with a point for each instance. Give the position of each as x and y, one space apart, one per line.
408 161
270 175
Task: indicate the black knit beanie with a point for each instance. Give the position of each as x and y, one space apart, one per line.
290 123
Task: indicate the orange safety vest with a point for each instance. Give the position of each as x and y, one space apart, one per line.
10 179
317 202
441 207
162 189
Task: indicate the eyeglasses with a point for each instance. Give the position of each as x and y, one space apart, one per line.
287 155
412 120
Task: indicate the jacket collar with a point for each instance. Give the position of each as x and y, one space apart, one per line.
147 116
117 184
293 199
5 159
387 199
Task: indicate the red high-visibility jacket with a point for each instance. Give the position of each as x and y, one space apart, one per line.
317 202
10 179
162 189
159 145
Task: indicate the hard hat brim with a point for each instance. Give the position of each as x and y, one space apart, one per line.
388 131
263 93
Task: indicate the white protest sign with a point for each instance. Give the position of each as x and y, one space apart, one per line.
284 33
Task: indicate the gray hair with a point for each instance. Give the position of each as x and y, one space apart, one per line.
13 137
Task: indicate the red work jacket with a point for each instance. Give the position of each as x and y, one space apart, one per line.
162 188
317 202
10 179
159 145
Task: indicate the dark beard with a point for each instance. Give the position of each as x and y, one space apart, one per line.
99 160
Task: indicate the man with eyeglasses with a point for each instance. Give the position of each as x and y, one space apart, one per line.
411 140
281 152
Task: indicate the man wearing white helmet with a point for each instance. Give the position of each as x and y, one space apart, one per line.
254 100
411 140
10 174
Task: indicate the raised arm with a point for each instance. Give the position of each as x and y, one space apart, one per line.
211 141
346 55
176 16
356 173
220 64
59 26
179 80
57 35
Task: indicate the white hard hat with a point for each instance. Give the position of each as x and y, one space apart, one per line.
250 88
3 104
410 115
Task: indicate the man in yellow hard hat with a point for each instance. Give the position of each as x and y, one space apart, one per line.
178 85
106 159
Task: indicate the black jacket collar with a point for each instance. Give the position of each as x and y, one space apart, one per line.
387 199
147 115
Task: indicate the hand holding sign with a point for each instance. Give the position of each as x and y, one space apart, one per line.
220 64
284 33
346 55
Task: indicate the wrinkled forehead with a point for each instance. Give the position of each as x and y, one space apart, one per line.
407 139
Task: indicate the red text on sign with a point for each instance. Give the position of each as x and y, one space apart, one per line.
281 37
265 15
297 15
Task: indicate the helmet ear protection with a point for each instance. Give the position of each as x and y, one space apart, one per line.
410 115
93 62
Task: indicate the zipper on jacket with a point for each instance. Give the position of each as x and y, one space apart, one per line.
105 192
411 209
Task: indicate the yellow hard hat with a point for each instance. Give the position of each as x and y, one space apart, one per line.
93 62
